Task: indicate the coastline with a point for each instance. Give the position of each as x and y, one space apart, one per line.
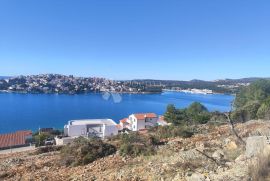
81 93
113 92
191 92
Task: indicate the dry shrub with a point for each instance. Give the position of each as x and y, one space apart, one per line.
3 175
259 169
232 154
47 149
134 145
83 151
189 165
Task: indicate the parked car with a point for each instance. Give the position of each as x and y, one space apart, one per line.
49 141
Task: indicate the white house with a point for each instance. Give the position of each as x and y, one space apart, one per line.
161 121
136 122
101 128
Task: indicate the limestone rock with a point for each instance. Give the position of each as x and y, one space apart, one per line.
218 155
255 145
196 177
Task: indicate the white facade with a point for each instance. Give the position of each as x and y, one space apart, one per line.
136 122
101 128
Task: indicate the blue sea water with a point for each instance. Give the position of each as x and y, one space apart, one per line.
31 111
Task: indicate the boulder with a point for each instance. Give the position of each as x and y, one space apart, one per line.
196 177
218 155
255 145
241 158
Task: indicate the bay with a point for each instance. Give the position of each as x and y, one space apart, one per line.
31 111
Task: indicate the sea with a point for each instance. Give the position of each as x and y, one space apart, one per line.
33 111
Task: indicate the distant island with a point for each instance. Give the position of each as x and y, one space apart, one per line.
55 83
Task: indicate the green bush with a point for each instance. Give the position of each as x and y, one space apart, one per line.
46 149
253 102
264 110
246 113
218 117
134 144
256 92
83 151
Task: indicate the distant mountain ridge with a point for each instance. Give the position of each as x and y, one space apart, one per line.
194 81
243 80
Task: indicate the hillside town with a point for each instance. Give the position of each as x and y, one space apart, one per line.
54 83
62 84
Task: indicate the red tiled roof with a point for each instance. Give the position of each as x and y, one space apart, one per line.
142 116
124 120
161 118
119 126
14 139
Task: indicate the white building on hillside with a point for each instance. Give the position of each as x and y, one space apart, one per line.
101 128
136 122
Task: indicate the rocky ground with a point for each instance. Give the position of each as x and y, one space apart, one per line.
214 154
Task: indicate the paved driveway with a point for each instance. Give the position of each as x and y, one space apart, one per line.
16 150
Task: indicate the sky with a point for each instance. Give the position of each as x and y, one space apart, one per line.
130 39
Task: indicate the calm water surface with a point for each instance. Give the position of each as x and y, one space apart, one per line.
31 111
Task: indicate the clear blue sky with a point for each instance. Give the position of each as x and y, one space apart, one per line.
126 39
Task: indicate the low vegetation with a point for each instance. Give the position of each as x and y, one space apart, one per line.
172 131
134 144
196 113
47 149
83 151
259 170
253 102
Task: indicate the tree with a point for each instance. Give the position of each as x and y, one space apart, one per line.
256 92
195 113
196 108
264 110
170 114
198 113
251 102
